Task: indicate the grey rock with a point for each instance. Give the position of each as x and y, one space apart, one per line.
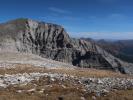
52 41
106 84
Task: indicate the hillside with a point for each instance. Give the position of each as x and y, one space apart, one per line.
30 77
122 49
36 63
52 41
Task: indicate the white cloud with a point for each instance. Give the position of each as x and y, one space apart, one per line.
58 10
117 16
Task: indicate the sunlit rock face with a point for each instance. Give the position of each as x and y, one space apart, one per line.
52 41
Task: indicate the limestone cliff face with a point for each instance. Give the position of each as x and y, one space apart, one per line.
52 41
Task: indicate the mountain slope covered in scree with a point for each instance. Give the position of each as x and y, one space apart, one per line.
52 41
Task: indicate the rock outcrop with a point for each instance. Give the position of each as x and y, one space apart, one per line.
52 41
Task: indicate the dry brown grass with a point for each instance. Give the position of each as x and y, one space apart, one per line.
57 91
118 95
21 68
80 72
52 91
70 92
84 72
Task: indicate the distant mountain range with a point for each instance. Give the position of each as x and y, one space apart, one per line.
122 49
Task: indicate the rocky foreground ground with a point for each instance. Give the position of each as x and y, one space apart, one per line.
22 80
26 82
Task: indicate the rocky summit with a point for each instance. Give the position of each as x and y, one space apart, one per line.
52 41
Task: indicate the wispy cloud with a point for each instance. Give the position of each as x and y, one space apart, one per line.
59 10
57 17
117 15
113 17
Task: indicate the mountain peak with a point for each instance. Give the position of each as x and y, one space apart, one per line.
52 41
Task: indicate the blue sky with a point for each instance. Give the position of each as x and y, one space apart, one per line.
99 19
